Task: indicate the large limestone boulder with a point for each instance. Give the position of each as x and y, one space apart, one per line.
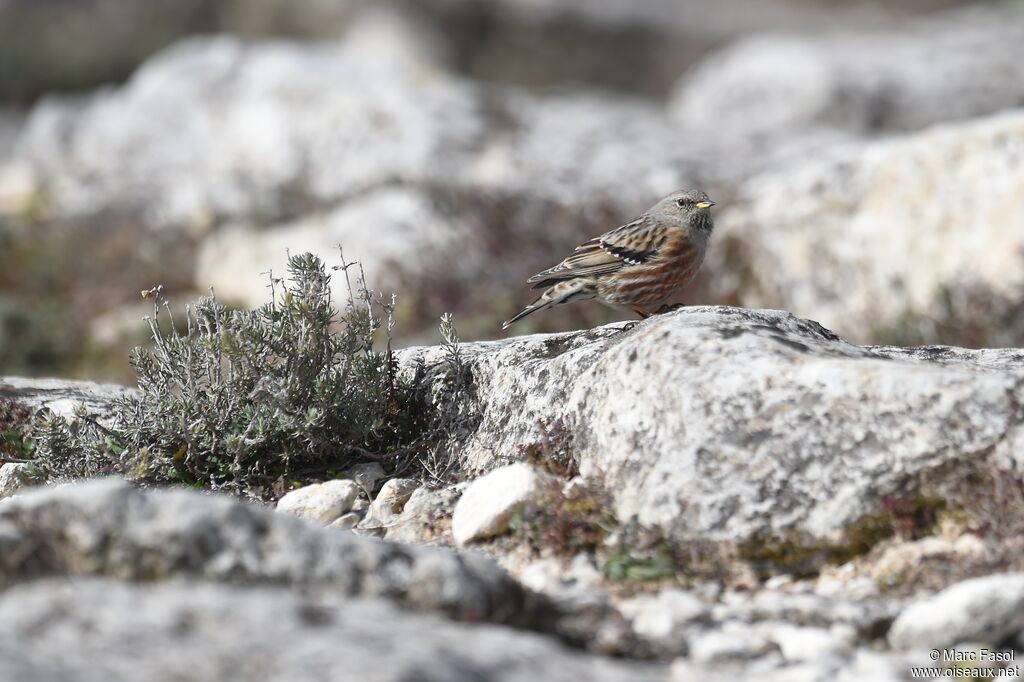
736 425
896 238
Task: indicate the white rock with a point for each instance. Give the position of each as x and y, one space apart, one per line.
64 407
366 476
583 573
542 575
864 614
345 521
322 502
490 501
805 643
828 587
777 581
856 588
662 617
425 516
553 575
391 499
707 590
845 635
750 70
269 116
769 668
407 229
13 477
734 641
877 667
383 33
986 609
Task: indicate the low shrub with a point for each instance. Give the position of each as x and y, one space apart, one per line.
250 401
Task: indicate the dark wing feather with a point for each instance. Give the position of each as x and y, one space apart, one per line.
631 244
587 260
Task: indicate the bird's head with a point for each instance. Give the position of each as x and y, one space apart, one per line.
686 208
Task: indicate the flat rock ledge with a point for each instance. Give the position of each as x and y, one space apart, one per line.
740 426
62 396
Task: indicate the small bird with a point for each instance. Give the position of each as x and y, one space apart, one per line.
635 266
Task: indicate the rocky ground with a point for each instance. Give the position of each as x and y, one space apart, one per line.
716 493
726 492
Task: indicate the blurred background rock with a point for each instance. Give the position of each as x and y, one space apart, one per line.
868 158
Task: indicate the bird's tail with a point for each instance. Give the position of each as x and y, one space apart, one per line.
563 292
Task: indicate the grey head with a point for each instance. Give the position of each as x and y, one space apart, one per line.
688 208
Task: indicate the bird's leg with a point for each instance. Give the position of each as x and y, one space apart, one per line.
669 308
640 311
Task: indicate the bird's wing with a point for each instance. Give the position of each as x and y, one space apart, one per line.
636 242
631 244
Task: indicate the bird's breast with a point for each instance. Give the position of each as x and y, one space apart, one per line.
681 257
656 280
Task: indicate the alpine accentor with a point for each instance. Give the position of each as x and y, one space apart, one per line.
635 266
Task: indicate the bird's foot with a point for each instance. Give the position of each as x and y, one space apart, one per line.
628 326
669 308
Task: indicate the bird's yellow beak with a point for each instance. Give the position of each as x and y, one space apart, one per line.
705 204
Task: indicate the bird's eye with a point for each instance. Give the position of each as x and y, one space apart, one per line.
681 203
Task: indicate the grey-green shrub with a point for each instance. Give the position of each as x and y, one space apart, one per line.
252 400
